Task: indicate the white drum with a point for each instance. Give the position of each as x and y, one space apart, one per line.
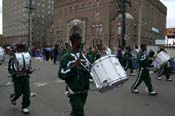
108 73
162 58
22 61
2 55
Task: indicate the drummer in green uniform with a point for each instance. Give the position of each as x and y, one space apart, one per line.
145 61
74 70
165 69
127 60
21 82
91 55
66 49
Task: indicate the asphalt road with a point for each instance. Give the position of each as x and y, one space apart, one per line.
51 101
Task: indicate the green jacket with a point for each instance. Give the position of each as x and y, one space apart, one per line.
12 71
10 66
77 78
144 60
65 51
97 54
127 58
91 56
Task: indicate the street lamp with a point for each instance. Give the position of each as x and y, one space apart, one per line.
121 6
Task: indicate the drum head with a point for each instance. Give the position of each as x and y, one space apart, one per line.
22 61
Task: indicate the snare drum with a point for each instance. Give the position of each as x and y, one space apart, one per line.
22 61
162 58
108 73
2 55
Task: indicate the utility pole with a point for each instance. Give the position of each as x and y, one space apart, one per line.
123 11
30 8
121 6
140 23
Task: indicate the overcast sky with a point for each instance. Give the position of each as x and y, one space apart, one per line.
170 4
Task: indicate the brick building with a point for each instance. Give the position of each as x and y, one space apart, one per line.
99 22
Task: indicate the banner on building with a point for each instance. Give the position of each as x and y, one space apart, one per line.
160 42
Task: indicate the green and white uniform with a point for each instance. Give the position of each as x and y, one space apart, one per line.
165 69
143 75
91 55
21 84
77 80
127 61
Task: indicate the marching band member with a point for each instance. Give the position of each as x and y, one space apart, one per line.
91 55
21 82
144 61
66 49
108 51
72 70
102 51
127 60
99 52
165 69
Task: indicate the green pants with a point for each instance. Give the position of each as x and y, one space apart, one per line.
128 65
165 70
77 102
143 76
22 87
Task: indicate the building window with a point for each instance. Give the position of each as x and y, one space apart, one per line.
90 3
76 7
61 11
83 5
97 13
70 9
98 3
99 29
65 10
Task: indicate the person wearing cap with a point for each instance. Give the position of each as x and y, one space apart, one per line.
74 70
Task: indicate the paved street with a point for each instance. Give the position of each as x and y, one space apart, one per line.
51 101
